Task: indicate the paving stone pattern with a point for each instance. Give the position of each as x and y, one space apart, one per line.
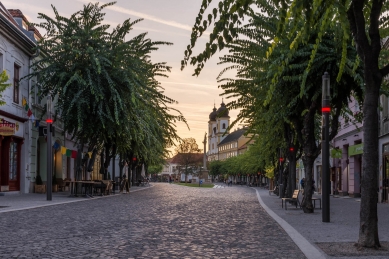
166 221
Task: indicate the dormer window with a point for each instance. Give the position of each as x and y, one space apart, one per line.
224 125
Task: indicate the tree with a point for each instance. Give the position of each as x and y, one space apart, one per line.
366 22
188 157
3 84
107 92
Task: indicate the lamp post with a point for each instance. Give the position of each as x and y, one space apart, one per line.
326 109
281 186
49 122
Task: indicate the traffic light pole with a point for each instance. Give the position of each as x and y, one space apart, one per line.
49 122
326 108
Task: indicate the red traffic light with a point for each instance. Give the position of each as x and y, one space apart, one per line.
281 159
326 109
134 159
291 149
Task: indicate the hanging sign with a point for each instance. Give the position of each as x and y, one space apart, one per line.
7 128
355 150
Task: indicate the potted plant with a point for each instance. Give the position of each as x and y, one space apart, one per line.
39 186
55 184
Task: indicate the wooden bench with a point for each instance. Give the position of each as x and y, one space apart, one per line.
314 202
294 199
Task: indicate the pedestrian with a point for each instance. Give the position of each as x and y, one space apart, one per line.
302 183
124 184
313 186
230 183
170 179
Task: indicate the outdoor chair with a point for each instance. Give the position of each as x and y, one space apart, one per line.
294 199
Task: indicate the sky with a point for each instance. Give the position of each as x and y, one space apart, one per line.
164 20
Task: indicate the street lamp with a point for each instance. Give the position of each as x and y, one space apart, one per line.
49 122
326 109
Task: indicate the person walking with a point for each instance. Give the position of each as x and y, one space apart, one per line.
124 184
170 179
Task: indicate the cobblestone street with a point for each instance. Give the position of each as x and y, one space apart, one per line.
165 221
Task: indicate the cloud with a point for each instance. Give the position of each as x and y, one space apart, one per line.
145 16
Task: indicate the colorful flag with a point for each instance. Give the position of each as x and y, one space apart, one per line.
56 145
90 154
26 107
24 102
63 150
68 153
37 123
32 117
29 113
74 154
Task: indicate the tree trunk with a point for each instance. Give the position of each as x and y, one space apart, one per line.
368 231
292 174
92 161
102 169
80 148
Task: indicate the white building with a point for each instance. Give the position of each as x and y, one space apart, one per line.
217 125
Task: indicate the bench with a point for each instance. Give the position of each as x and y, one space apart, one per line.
272 191
314 202
294 199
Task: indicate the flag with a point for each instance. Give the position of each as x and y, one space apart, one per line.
37 123
24 102
29 113
90 154
56 145
63 150
32 117
68 153
26 107
74 154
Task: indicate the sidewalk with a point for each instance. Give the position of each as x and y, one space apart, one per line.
343 226
13 202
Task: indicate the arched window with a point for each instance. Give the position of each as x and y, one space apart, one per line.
224 125
214 130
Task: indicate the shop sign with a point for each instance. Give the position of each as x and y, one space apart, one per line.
355 150
336 153
7 128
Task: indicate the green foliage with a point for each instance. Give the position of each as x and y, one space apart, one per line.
155 169
106 86
3 84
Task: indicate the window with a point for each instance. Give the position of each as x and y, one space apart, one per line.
13 161
16 83
212 146
224 125
214 130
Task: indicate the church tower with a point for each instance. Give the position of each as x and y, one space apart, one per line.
217 126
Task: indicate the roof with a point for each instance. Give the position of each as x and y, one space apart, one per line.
232 136
16 13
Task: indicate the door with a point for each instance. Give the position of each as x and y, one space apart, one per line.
385 182
14 166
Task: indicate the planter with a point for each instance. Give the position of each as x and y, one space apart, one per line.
55 188
4 188
40 188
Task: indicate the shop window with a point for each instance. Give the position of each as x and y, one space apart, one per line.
16 83
13 161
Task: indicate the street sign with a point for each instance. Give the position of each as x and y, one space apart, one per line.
201 181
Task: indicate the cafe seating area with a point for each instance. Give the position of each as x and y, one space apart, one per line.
89 189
